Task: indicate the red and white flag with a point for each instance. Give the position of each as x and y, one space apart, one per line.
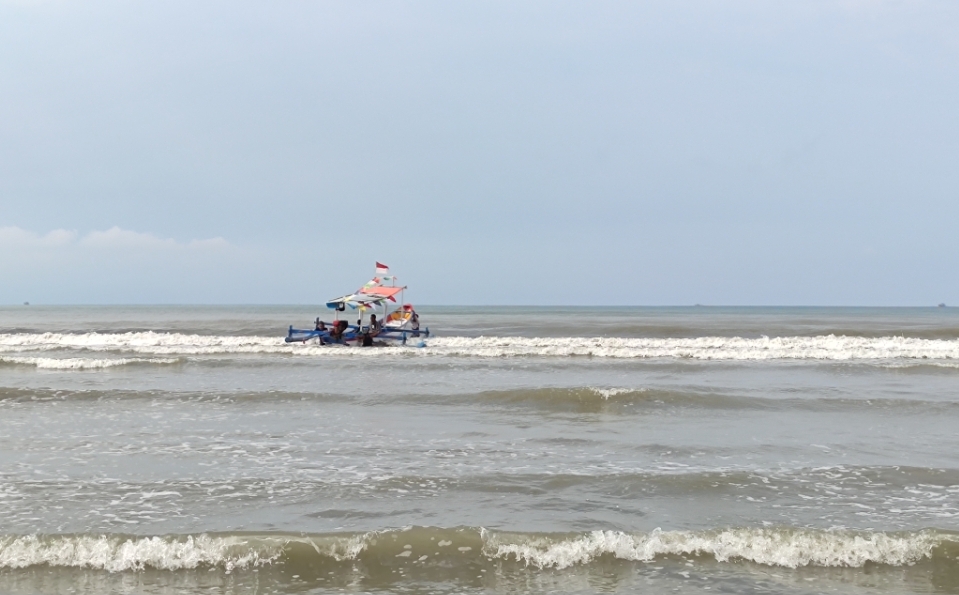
381 269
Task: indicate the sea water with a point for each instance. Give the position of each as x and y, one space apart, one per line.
570 450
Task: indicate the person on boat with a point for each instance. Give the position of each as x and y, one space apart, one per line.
415 323
375 325
338 327
320 325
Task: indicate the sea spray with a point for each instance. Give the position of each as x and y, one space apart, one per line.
79 363
778 547
120 553
829 348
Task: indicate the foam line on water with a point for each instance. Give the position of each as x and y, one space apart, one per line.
830 347
142 342
779 547
78 363
117 553
769 547
706 348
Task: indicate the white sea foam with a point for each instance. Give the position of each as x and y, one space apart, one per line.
116 554
78 363
830 347
790 548
706 348
143 342
606 393
787 548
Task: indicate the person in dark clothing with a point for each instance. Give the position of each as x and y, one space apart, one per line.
367 339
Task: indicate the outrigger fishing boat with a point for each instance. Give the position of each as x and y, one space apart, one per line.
393 327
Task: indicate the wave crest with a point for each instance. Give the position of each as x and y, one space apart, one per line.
769 547
79 363
116 553
830 348
783 547
836 348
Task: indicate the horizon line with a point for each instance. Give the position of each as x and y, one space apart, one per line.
322 306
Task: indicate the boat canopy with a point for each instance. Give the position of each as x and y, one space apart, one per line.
371 295
382 292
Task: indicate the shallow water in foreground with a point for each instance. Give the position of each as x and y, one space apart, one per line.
689 450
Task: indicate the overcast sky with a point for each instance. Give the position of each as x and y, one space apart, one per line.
720 152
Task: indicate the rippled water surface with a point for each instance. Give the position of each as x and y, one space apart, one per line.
747 450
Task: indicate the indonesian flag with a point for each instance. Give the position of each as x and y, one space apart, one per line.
381 269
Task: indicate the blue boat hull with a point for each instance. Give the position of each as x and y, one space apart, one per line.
353 335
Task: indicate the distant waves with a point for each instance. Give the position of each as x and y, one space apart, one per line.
818 348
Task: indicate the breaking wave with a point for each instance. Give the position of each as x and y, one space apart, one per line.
118 553
78 363
769 547
707 348
468 547
142 342
830 347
